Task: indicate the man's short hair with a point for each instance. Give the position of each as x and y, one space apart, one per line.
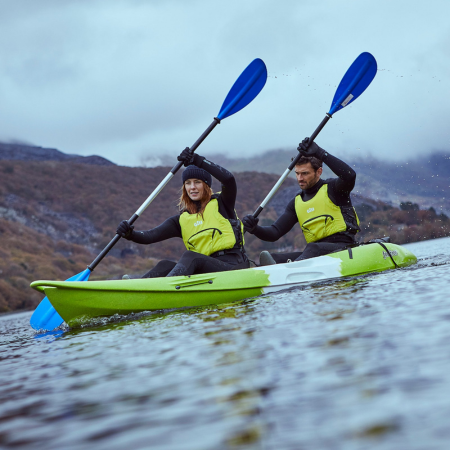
315 162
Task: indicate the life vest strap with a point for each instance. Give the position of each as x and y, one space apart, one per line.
229 251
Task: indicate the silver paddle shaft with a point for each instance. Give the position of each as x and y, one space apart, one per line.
152 196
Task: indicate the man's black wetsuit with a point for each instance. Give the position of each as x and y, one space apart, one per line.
339 193
192 262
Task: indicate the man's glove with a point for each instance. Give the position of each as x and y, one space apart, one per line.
250 223
186 157
125 229
312 150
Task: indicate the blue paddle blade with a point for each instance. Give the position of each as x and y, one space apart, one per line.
45 316
355 81
245 89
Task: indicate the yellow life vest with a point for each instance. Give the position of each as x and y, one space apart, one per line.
211 232
319 217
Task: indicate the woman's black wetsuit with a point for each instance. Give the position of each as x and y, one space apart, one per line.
191 262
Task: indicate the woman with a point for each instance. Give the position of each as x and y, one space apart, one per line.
207 223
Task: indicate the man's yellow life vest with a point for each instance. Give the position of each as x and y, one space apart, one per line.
320 217
211 232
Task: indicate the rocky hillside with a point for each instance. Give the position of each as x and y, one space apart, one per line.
424 180
57 215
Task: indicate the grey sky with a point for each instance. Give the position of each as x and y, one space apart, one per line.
131 80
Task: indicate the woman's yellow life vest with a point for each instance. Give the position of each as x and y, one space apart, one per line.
211 232
319 217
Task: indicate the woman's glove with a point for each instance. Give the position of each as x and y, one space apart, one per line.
125 230
250 223
189 159
186 157
312 150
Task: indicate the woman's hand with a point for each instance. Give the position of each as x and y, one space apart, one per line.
186 157
125 230
189 158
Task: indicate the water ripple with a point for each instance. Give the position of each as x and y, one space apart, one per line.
356 363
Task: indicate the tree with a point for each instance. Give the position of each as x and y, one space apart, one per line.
409 206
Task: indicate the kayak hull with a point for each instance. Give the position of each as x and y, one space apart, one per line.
78 302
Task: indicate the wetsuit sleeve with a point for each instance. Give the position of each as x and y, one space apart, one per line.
168 229
280 227
226 178
347 176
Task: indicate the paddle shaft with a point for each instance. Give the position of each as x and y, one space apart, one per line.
289 169
152 196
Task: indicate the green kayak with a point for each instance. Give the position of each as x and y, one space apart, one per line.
77 302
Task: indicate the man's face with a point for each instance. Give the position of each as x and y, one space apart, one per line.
306 176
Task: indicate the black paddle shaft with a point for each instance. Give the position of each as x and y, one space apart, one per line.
291 166
311 139
135 216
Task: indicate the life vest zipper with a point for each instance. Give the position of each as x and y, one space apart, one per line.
202 231
314 218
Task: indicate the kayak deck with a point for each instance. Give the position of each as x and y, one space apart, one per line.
78 302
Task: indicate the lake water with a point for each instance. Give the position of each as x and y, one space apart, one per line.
360 363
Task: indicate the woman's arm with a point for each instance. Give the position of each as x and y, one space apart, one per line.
226 178
168 229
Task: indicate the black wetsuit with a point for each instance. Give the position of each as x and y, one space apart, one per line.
192 262
339 193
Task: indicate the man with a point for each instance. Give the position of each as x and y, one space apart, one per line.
323 208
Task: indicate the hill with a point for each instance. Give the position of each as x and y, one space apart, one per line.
56 216
24 152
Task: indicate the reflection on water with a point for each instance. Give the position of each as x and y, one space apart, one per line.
357 363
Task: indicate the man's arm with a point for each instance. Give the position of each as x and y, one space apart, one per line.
346 175
279 228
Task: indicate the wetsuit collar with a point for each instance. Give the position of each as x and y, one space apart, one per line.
313 191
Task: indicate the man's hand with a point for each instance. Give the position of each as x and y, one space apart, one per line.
125 229
307 149
250 223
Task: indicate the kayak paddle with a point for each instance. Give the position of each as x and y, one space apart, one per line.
355 81
244 90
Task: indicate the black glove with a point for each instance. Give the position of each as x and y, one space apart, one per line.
186 157
312 150
125 229
250 223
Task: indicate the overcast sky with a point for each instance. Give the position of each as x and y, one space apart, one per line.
132 80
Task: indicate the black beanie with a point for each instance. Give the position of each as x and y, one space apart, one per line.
196 172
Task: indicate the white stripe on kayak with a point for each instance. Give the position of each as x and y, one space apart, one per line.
282 276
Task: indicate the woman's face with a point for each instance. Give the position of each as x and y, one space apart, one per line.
194 189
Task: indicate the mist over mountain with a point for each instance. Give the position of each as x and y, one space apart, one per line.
424 180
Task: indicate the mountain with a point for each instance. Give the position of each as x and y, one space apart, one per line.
57 215
423 180
23 152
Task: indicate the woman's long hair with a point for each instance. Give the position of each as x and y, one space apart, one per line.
186 204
